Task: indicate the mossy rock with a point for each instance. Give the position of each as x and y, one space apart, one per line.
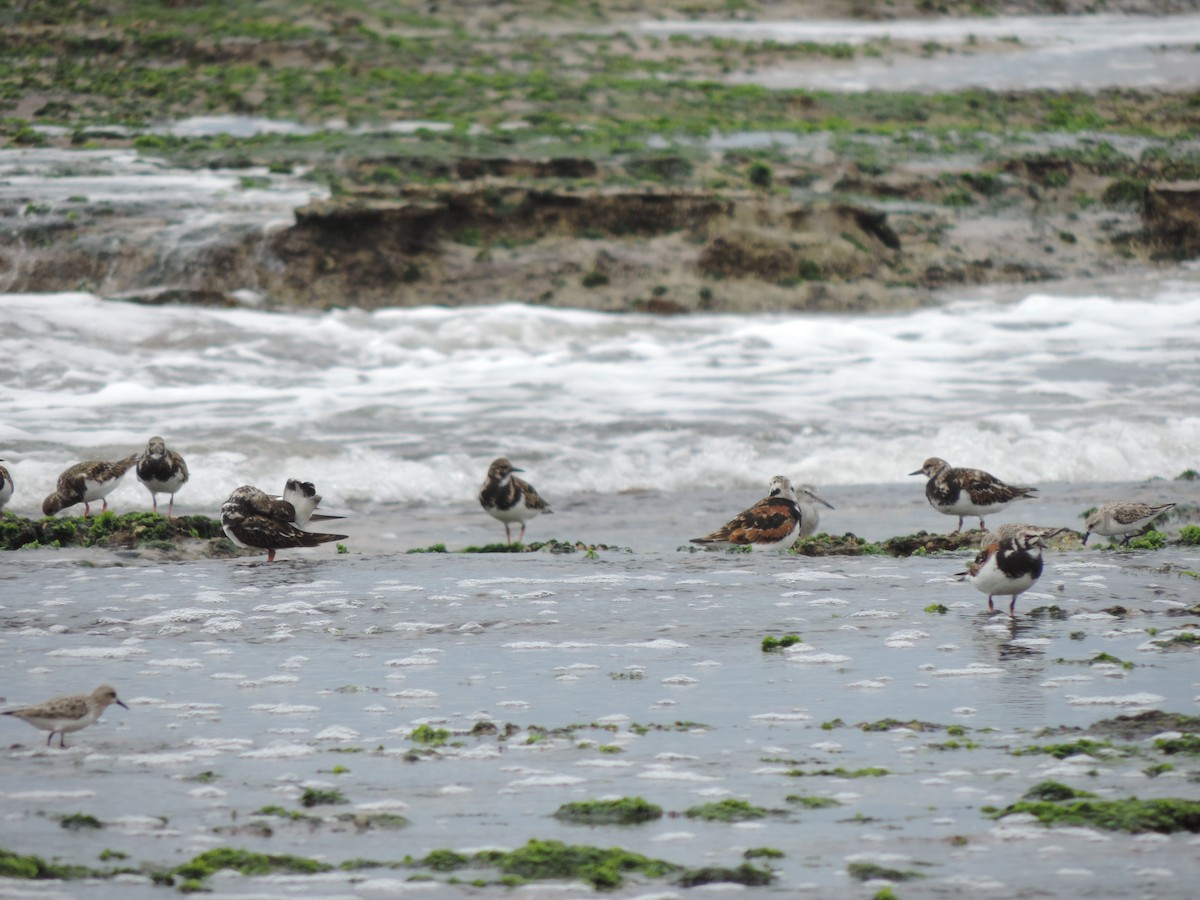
625 811
108 530
923 543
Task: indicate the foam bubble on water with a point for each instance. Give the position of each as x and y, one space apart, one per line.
1144 699
285 709
973 669
279 751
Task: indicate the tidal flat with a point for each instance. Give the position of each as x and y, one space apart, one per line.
379 722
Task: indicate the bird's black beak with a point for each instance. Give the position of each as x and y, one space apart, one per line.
918 472
121 704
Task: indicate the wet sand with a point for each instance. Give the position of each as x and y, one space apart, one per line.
313 672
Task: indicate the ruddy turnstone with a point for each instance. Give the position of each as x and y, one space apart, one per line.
1010 566
1013 529
810 516
162 471
1122 517
771 522
86 482
510 499
70 713
252 518
6 487
966 492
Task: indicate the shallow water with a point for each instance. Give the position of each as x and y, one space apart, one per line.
1035 52
261 674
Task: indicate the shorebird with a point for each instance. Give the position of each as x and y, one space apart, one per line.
252 518
510 499
1122 517
70 713
86 482
6 487
966 492
810 516
162 471
1010 566
1013 529
771 522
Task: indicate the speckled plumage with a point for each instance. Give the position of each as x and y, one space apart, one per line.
966 492
771 522
6 487
86 482
1122 518
162 471
69 713
253 518
1008 567
1013 529
510 499
810 516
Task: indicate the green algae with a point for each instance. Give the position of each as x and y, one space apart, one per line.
624 811
367 821
1054 791
728 810
812 802
1165 815
247 862
771 643
866 772
1189 535
1151 540
764 853
79 821
319 797
445 861
602 868
889 724
428 736
16 865
868 871
1188 744
135 529
1072 748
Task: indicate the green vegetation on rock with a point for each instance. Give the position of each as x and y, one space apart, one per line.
625 811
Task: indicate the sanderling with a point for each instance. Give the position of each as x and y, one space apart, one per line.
85 482
1008 567
966 492
810 516
6 487
70 713
162 471
771 522
509 499
1122 517
252 518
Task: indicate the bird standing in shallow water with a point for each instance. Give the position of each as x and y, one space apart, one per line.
86 482
1010 566
162 471
252 518
771 522
966 492
70 713
510 499
1122 517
